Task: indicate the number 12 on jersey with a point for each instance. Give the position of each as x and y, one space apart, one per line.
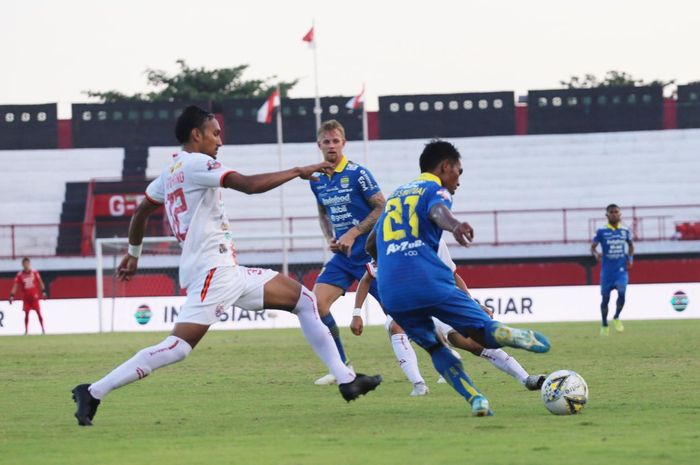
395 218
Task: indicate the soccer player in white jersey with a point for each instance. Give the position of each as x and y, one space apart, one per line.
404 352
189 190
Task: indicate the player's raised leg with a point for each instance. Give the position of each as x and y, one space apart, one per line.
284 293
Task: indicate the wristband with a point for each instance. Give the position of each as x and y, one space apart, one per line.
135 250
357 312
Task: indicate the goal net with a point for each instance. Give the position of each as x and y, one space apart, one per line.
300 256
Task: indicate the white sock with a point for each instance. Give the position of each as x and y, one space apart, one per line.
506 363
407 357
172 349
319 337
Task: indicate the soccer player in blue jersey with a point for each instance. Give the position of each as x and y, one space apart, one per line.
615 263
416 285
349 202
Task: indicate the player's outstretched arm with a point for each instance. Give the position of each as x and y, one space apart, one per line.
441 215
259 183
357 325
137 229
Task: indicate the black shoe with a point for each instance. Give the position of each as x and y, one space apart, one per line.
87 405
535 382
360 386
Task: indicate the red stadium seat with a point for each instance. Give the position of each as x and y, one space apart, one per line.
74 287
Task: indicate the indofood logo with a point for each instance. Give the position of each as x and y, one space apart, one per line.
143 314
679 301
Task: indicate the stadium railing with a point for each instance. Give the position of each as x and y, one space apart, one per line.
494 227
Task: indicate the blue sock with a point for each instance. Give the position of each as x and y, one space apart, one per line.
451 369
329 321
604 309
620 304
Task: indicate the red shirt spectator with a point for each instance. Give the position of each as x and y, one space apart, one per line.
30 283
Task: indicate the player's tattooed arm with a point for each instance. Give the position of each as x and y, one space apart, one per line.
346 241
377 202
325 222
137 229
443 217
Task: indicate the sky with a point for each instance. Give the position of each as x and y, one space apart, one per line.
52 51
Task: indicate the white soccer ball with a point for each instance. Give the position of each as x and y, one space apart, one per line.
564 392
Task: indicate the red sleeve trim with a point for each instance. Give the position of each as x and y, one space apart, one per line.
152 200
223 177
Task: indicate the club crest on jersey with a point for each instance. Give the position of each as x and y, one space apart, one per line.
344 182
213 164
444 194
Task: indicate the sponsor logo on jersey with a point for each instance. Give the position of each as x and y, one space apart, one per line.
336 199
404 246
213 164
223 248
176 166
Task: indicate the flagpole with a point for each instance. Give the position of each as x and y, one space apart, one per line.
317 99
365 135
283 215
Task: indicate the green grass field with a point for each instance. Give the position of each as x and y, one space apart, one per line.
247 397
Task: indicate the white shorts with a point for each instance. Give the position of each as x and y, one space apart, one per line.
221 288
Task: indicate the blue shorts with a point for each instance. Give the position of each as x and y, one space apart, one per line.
341 272
459 311
617 281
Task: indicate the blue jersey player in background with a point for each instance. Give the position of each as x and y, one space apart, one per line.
415 284
615 263
349 202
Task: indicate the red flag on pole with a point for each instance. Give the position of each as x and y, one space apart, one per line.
309 37
356 102
267 109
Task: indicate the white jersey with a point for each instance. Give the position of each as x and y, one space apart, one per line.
443 253
189 190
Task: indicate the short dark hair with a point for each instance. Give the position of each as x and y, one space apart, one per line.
191 118
25 259
610 207
435 152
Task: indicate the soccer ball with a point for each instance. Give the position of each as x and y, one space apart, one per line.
564 392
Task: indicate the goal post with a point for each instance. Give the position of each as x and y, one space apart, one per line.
300 256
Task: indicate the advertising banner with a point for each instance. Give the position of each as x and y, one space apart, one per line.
509 305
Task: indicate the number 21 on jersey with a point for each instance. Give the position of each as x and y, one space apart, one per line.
397 218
